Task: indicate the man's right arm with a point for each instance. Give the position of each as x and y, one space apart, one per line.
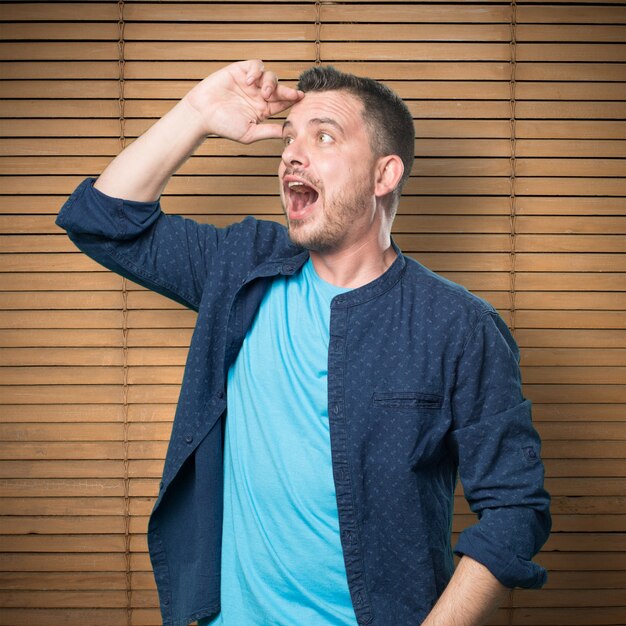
118 221
231 103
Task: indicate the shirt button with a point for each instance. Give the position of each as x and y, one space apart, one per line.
220 394
359 598
188 438
336 409
289 268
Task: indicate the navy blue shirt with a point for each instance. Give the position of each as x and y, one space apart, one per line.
423 386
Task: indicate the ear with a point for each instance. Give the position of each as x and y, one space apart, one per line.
389 170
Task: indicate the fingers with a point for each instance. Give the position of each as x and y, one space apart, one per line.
282 98
259 94
278 106
267 82
264 131
255 69
282 92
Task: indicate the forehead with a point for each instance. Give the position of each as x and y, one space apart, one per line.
340 106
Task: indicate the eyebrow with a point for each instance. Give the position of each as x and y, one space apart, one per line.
318 121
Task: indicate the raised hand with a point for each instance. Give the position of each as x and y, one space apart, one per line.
234 101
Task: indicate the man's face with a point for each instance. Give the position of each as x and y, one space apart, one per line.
327 171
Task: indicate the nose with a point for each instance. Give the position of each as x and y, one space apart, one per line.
294 154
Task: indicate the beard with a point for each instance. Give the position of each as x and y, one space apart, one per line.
328 226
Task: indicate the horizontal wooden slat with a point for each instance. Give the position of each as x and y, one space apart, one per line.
66 580
55 11
225 165
156 450
137 31
160 431
525 281
394 70
102 469
45 281
85 412
565 225
57 599
442 185
241 205
60 356
62 375
574 375
218 12
572 356
571 338
526 262
152 469
415 89
173 375
92 31
566 32
88 450
62 543
349 12
551 393
93 338
63 413
61 469
61 432
62 300
73 617
63 562
49 493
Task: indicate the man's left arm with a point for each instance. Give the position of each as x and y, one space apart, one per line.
471 596
498 453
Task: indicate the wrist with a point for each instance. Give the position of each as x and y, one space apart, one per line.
189 121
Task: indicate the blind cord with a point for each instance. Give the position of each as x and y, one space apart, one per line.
121 63
513 165
318 33
127 537
512 209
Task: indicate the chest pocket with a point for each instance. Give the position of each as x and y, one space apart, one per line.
412 425
406 400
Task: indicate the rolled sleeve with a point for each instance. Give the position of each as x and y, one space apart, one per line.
165 253
88 211
499 456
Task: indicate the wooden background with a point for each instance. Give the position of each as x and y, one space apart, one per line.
518 192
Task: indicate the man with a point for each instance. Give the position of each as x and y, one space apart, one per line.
333 387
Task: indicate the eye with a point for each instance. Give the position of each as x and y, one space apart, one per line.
325 138
287 140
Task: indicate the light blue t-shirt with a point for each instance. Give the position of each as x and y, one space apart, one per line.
282 562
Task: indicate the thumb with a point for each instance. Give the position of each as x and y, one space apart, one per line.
258 132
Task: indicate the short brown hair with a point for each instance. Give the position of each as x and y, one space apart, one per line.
386 114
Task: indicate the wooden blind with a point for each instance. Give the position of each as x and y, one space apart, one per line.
518 192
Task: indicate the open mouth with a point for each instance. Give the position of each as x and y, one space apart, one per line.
301 198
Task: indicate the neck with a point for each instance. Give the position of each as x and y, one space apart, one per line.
356 264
